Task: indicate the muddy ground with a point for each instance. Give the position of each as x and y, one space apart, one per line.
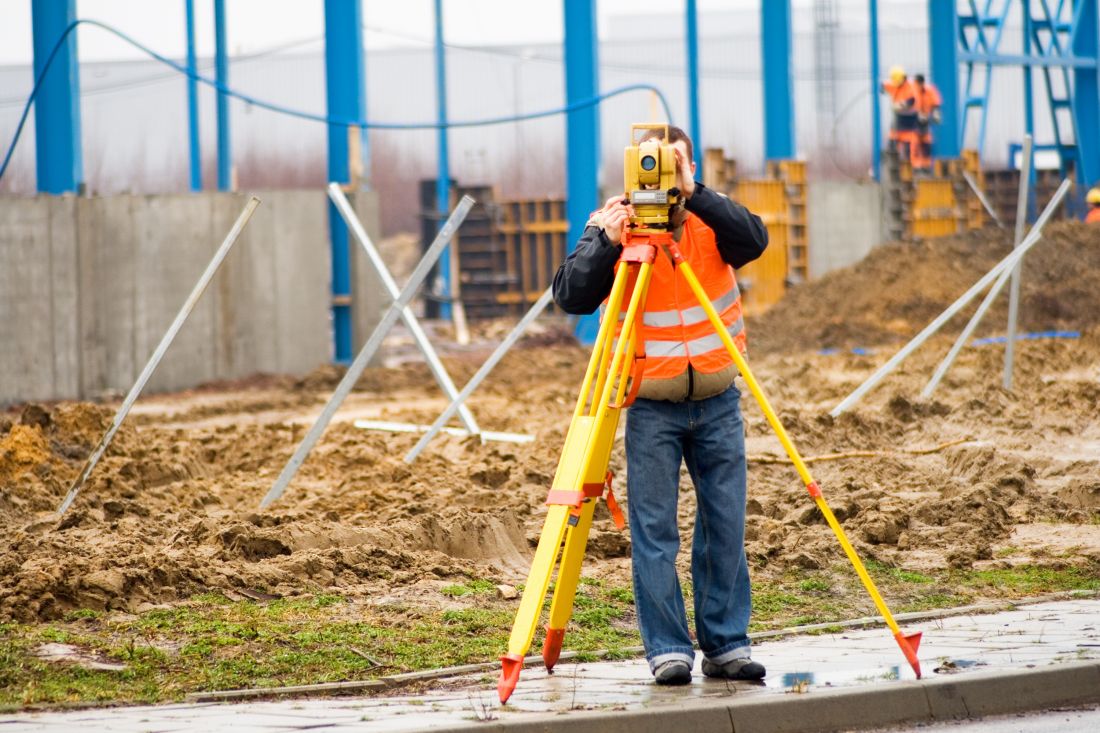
1005 477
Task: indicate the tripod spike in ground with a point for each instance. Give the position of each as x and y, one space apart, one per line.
551 648
510 667
909 645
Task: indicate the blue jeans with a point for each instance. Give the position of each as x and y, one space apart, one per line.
708 435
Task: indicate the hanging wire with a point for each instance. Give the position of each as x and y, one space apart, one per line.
281 109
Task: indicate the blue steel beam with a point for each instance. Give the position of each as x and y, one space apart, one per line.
345 98
943 50
193 140
221 73
582 130
876 114
59 163
1085 43
692 37
779 140
443 177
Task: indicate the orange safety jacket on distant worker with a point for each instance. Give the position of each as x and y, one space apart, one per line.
675 329
1093 217
904 102
927 99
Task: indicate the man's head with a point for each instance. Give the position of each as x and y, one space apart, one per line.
897 74
1093 197
919 78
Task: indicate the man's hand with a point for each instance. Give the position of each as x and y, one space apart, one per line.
613 217
685 178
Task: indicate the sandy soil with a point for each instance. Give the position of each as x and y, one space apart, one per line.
172 509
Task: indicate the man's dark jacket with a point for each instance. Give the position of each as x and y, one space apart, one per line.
584 280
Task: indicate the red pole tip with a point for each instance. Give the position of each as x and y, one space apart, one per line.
551 648
909 645
511 665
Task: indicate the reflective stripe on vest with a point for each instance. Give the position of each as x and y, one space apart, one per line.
701 345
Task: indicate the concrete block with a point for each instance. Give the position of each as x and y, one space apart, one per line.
27 358
301 266
369 296
844 223
826 710
64 297
1013 691
175 241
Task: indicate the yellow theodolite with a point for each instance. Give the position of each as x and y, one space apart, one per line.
614 374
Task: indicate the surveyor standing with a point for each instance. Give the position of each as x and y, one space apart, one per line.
928 103
687 411
1093 200
904 132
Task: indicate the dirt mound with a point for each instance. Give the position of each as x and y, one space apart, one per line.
900 287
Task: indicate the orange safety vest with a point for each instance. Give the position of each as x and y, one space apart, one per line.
1093 216
675 328
927 99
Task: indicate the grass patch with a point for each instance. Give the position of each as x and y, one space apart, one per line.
474 587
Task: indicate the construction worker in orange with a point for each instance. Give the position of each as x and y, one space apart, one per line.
1093 200
928 101
905 130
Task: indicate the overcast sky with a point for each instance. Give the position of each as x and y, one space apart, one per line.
256 25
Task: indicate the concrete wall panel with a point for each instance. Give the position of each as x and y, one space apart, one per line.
844 223
63 294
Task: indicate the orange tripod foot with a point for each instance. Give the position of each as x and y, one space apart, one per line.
510 667
909 645
551 648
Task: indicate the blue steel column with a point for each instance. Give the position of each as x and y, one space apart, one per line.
778 87
692 36
193 102
345 97
582 130
943 50
59 164
876 112
221 73
1086 92
443 177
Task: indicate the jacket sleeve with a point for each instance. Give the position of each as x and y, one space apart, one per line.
584 280
740 235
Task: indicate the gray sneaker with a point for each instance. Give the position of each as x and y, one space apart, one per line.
673 672
742 668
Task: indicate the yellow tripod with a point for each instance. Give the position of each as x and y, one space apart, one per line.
582 475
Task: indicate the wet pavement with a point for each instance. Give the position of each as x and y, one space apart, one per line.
1022 641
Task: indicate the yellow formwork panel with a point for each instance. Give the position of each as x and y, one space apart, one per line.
934 210
764 281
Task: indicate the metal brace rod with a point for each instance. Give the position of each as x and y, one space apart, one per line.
367 352
1009 260
158 353
475 381
1026 167
982 198
410 319
991 296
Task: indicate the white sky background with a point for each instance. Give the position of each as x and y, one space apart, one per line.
256 25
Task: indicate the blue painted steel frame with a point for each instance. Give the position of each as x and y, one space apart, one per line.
221 73
443 177
876 113
692 42
582 130
1058 38
775 26
59 165
193 140
943 50
345 97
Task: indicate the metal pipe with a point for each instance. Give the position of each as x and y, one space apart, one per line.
221 74
1026 166
194 142
59 166
158 353
480 375
438 370
876 115
443 176
936 324
982 197
367 352
1006 272
692 41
